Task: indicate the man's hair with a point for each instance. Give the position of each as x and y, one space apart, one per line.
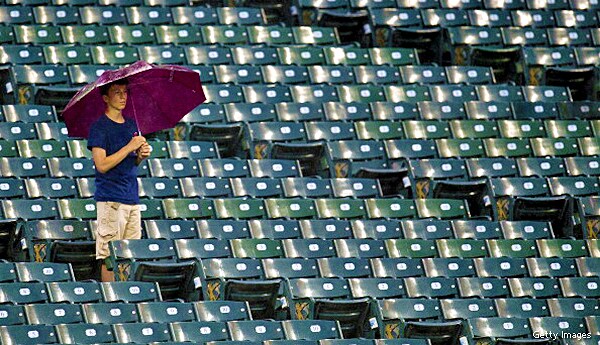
104 88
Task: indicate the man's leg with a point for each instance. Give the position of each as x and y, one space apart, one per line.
108 229
133 227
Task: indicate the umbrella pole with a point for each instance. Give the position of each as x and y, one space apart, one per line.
135 117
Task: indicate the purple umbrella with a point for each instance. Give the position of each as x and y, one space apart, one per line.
159 96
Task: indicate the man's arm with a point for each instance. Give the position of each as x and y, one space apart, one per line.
105 163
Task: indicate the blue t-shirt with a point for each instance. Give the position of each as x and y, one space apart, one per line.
119 184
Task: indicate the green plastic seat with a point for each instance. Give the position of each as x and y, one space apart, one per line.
331 74
379 75
482 287
110 313
410 248
393 56
491 328
503 267
82 333
504 147
239 208
290 208
344 268
551 267
222 94
361 93
271 35
527 230
425 129
461 248
461 148
315 35
346 111
37 34
199 15
448 267
77 209
40 74
474 129
224 34
23 293
20 334
441 208
105 15
378 130
288 74
491 167
349 56
178 35
329 229
521 128
409 93
256 248
84 34
488 110
360 248
556 147
340 208
21 54
135 34
568 128
207 55
576 186
542 167
561 248
512 248
410 148
114 55
390 208
187 208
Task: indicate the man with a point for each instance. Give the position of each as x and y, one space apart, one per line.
117 150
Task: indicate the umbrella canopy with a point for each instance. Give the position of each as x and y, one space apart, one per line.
159 96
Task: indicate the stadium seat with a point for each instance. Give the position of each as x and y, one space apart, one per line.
323 299
137 260
541 167
223 229
223 280
130 292
181 208
74 292
377 288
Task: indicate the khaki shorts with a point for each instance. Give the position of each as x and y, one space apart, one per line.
116 221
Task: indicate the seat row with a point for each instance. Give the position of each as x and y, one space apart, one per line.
539 18
339 4
292 187
348 257
364 93
448 4
328 111
241 208
178 35
82 71
330 130
48 230
147 15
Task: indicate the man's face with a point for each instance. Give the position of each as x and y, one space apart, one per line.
117 97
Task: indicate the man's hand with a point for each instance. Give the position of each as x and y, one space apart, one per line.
136 143
144 151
